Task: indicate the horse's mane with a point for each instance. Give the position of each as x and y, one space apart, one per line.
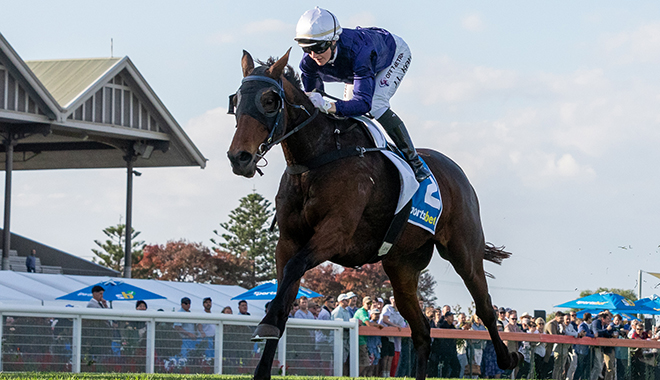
289 73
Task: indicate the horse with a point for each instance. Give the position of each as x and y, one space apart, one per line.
334 204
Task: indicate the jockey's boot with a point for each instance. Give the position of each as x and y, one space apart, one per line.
397 131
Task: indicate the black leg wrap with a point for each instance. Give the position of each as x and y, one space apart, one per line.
395 128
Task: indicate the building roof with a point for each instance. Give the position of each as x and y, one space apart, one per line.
67 79
87 113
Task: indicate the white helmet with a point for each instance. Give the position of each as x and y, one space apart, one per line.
317 25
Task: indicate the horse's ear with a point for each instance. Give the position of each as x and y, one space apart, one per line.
276 70
247 63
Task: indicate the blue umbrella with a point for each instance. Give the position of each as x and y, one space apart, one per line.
603 301
651 303
114 291
267 291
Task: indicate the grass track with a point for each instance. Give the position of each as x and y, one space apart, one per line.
142 376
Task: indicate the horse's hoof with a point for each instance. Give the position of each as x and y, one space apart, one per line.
516 358
264 332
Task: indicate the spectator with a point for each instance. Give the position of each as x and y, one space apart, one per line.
525 318
373 343
362 315
552 328
489 367
584 329
294 309
243 307
476 347
602 329
571 329
187 332
460 320
303 312
140 305
501 319
379 303
326 310
341 312
314 309
462 344
560 351
620 353
512 326
227 310
391 317
448 354
31 262
206 332
352 303
429 312
97 301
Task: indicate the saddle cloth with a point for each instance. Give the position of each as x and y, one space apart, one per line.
425 196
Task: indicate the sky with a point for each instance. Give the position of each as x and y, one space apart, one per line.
552 108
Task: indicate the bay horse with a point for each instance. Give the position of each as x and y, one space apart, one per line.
335 205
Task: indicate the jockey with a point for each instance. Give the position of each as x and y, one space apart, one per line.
370 61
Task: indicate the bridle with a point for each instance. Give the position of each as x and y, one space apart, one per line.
273 120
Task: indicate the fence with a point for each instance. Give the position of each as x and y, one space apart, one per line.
106 340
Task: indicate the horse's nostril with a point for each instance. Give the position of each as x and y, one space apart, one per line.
244 157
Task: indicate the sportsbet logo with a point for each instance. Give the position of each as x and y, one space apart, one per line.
424 215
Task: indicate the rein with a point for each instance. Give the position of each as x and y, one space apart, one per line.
274 123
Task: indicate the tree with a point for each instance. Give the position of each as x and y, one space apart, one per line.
629 294
112 255
248 237
369 280
426 287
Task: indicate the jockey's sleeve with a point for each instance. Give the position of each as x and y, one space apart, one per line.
364 80
311 79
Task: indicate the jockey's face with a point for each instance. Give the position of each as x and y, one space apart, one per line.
322 58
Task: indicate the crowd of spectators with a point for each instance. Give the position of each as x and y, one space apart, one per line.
385 356
458 358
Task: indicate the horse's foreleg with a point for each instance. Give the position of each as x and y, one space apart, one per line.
468 263
404 278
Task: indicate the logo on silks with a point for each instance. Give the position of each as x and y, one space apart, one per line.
426 205
384 82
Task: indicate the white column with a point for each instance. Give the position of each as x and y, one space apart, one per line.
217 353
338 352
76 343
151 346
355 349
281 352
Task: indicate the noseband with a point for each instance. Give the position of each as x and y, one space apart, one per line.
273 120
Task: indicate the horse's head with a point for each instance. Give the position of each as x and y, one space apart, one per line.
260 106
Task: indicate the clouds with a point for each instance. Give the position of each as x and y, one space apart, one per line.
638 45
267 27
472 23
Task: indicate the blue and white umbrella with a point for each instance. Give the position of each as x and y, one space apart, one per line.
113 291
268 290
603 301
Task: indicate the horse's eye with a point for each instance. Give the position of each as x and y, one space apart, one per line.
270 101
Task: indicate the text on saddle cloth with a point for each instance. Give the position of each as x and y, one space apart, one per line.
426 199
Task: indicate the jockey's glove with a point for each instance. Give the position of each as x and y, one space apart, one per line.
319 101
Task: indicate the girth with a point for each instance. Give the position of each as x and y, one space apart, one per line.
329 157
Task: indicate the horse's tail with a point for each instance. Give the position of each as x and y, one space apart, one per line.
495 254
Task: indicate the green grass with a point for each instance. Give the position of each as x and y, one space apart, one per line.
142 376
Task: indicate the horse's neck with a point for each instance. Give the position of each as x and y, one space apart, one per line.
313 140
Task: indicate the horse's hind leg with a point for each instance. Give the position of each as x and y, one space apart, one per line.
466 254
404 272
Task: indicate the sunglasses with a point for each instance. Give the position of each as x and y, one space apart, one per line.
318 48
